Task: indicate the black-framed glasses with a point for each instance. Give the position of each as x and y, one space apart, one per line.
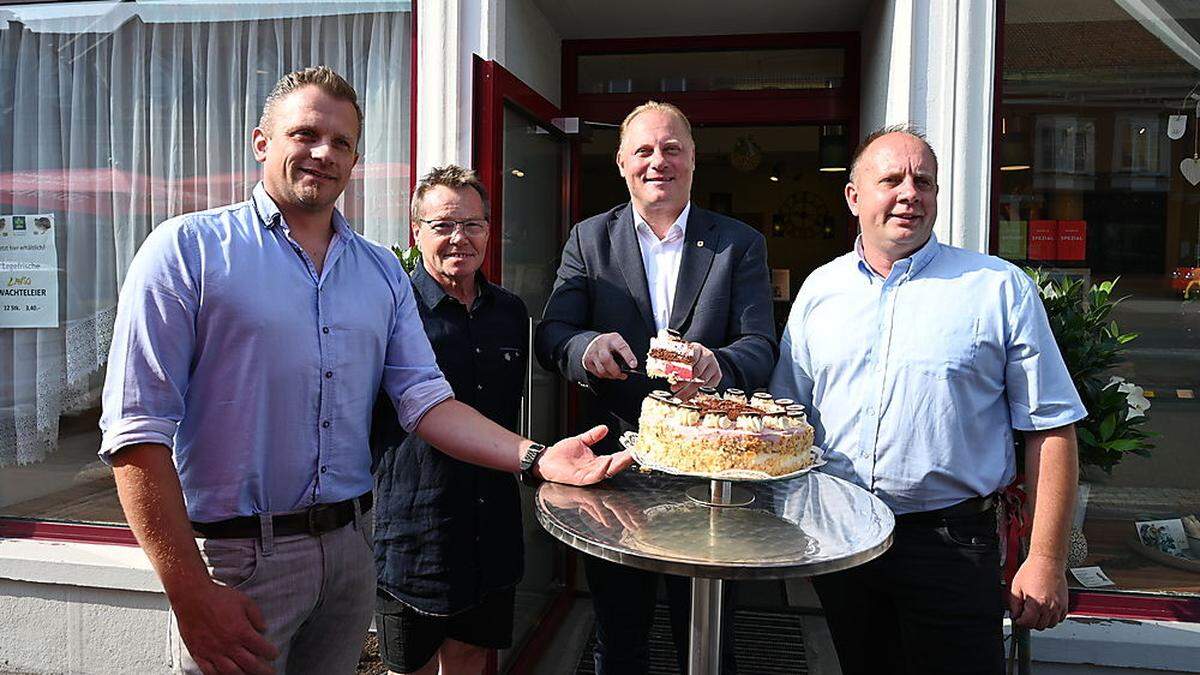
445 228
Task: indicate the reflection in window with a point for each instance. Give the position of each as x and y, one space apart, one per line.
113 118
1097 182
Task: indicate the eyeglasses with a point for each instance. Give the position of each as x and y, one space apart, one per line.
445 228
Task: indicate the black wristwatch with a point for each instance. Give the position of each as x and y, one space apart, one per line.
530 460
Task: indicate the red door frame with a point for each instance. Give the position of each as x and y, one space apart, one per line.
495 88
839 105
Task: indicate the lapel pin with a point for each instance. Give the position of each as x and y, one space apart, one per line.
700 243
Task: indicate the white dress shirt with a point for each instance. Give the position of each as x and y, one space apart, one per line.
660 259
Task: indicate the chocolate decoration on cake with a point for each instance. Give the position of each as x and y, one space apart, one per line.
708 435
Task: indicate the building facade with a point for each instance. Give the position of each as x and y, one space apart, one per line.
1066 135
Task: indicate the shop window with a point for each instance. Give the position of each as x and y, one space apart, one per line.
729 70
1100 130
113 118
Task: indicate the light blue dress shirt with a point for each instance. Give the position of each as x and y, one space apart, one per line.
915 382
259 373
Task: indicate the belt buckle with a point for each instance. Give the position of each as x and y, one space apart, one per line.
322 518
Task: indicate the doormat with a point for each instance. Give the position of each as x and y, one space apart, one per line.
767 642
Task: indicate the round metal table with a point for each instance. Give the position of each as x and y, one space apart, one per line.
808 525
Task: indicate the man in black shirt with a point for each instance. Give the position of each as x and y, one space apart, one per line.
448 537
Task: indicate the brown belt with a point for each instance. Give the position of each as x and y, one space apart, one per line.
315 520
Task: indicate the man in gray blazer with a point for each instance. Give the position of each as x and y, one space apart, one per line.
657 262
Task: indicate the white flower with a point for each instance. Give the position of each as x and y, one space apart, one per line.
1135 396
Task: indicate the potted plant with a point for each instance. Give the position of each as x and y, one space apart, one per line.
409 257
1092 344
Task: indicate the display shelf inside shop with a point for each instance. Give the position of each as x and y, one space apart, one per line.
1108 547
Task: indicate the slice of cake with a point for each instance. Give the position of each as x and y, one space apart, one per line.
670 357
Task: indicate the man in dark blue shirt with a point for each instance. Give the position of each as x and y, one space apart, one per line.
448 537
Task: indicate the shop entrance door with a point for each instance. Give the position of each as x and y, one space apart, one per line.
524 160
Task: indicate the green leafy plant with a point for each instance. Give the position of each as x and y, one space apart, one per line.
1092 344
409 257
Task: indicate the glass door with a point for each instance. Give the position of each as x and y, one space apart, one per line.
535 159
525 162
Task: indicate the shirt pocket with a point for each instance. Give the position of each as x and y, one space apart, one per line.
941 346
511 364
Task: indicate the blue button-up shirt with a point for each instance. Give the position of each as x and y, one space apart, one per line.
259 373
915 382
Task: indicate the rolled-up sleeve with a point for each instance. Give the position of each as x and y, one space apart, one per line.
1038 385
411 376
153 340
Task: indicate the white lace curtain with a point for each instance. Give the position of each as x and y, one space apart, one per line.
113 132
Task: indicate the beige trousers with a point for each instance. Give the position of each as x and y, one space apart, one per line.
317 594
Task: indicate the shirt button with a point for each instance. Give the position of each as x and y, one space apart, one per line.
325 329
478 350
328 374
324 469
479 386
325 424
481 500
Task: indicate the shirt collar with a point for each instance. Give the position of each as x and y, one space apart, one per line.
680 224
270 215
432 293
915 262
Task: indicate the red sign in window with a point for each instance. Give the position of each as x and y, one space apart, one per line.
1043 240
1072 240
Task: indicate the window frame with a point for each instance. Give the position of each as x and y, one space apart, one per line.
1109 604
121 535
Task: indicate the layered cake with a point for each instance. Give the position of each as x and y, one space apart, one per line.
670 357
714 433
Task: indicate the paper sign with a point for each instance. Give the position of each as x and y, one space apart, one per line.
781 288
1091 577
1043 239
1013 239
1072 240
1165 535
28 272
1176 126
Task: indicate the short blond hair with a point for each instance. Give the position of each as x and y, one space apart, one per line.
321 77
452 176
654 106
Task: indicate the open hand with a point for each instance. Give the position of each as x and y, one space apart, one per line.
705 373
607 356
222 629
1037 598
572 461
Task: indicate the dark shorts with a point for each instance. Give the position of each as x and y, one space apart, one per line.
408 638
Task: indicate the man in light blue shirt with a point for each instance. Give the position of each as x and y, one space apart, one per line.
917 361
249 346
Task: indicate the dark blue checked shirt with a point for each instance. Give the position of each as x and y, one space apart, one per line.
446 532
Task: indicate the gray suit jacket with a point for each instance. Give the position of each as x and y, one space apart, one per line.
722 300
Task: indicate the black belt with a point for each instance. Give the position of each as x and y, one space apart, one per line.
970 507
315 520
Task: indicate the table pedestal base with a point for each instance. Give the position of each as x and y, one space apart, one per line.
734 495
705 650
